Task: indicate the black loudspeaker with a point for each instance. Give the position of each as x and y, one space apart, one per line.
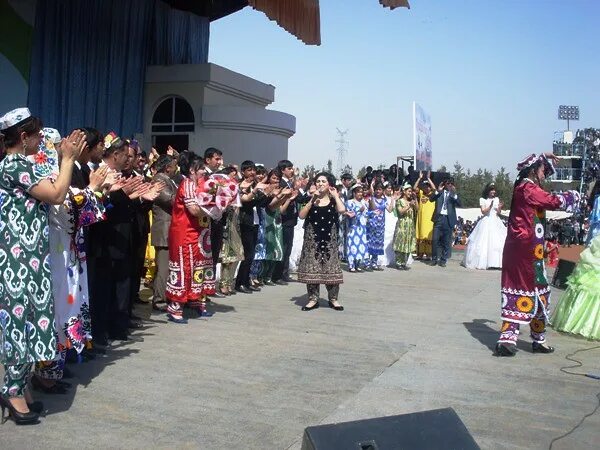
563 271
427 430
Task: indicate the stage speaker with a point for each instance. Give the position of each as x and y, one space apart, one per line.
427 430
562 272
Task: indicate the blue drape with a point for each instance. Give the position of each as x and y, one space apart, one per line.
89 59
179 37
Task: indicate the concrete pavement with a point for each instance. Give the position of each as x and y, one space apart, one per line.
260 371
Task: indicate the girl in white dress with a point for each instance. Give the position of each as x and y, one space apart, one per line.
389 256
485 245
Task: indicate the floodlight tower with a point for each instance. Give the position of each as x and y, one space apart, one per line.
342 151
568 113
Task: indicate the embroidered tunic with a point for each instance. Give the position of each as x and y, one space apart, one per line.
524 284
319 262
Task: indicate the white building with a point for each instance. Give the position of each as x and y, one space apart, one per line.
205 105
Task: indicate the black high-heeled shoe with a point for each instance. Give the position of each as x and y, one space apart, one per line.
36 407
19 418
310 308
505 350
337 308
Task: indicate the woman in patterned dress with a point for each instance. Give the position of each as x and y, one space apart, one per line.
357 245
82 207
376 225
319 260
232 251
525 290
27 329
281 199
260 252
191 274
405 237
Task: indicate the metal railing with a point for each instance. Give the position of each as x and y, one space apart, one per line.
566 174
570 150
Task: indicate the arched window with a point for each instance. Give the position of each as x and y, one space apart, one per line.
173 115
172 123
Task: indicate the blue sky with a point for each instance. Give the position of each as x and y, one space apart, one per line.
491 75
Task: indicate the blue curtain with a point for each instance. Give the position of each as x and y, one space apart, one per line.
89 59
179 37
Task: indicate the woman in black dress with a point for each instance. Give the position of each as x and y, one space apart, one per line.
319 261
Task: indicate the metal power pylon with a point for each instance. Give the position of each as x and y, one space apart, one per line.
341 150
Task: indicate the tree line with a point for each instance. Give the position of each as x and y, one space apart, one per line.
470 184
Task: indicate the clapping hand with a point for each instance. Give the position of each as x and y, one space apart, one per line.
98 178
73 145
153 191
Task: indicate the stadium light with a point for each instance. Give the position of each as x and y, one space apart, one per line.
568 113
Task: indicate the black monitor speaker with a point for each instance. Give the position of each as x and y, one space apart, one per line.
428 430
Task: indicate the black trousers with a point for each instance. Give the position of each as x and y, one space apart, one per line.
216 240
282 269
249 234
110 289
441 247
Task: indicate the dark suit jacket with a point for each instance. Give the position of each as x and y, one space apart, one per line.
112 238
80 177
161 211
290 217
453 203
247 208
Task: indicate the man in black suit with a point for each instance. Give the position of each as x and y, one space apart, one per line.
111 254
444 219
252 197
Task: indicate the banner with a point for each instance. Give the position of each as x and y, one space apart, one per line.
421 138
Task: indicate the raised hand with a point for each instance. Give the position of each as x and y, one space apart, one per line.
130 185
153 192
98 178
73 145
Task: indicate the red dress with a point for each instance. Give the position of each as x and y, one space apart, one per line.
525 290
191 274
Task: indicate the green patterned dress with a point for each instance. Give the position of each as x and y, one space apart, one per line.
405 240
27 332
273 235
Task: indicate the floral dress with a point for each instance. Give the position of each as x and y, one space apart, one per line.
357 246
405 240
376 227
69 265
27 332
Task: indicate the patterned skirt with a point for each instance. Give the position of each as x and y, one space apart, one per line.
319 261
191 274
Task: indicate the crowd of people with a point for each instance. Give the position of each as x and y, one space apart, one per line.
86 217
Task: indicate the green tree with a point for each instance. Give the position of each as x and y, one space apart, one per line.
309 171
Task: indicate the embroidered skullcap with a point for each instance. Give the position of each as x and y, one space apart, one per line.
355 186
406 186
532 159
111 139
52 135
133 143
13 117
527 162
